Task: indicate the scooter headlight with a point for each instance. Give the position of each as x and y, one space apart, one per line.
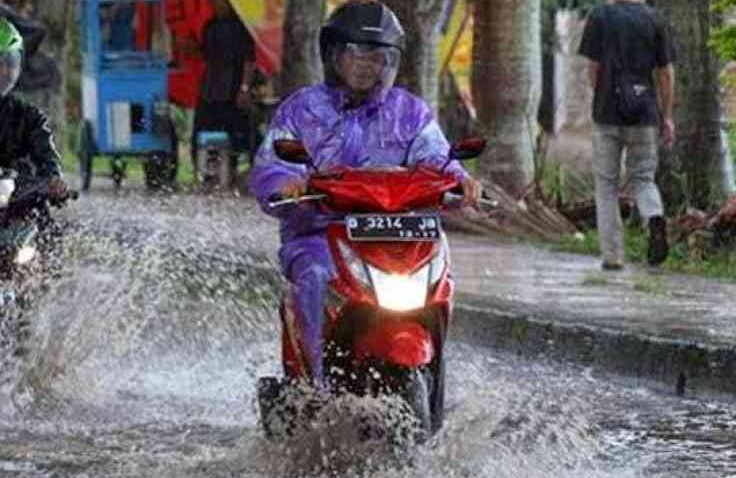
25 255
400 293
397 292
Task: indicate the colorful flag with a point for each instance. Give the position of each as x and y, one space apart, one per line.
265 18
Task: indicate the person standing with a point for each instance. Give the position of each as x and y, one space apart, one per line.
225 92
629 49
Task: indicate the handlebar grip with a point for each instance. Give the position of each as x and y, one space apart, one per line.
485 200
284 201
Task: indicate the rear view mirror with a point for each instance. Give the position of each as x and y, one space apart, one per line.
292 151
468 148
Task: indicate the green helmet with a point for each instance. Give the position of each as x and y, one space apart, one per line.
10 39
11 56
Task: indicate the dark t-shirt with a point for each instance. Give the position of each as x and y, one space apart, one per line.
631 35
227 46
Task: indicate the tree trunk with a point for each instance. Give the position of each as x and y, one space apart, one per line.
422 20
507 76
301 61
700 151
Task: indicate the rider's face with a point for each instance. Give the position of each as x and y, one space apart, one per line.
9 71
361 66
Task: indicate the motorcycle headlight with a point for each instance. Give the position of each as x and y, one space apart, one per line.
355 265
400 293
25 255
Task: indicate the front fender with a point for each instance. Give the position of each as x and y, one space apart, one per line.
403 343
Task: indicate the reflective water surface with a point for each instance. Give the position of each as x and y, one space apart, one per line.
143 357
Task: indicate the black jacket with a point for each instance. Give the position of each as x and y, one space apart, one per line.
25 134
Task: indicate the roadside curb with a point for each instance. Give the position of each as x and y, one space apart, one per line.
685 368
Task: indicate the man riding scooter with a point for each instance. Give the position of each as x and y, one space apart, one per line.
24 129
356 118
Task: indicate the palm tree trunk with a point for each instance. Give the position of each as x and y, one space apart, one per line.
507 75
422 21
301 60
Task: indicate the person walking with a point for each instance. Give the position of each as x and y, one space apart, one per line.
225 93
629 49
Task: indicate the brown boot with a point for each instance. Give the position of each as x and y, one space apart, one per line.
658 247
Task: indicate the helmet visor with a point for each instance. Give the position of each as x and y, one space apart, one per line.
363 66
10 66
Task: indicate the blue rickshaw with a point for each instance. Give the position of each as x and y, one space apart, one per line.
125 105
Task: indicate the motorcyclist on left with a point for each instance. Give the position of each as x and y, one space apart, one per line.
24 130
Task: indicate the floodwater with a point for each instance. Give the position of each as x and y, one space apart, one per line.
144 353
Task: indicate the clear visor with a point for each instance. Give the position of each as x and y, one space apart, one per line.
375 56
361 62
10 66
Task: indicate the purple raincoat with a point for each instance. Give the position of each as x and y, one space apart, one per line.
392 127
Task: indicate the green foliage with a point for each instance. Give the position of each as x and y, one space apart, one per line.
683 258
585 242
723 39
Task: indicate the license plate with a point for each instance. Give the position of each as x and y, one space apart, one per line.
396 227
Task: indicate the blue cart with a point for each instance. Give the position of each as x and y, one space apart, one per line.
125 90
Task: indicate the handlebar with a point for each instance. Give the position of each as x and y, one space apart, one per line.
449 198
277 201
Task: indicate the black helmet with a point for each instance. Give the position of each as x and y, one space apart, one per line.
361 22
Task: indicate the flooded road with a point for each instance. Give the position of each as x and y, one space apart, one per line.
143 357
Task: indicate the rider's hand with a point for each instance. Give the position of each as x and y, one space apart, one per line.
294 188
667 133
58 190
471 192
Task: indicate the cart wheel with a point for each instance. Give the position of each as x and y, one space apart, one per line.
161 168
86 155
159 171
117 166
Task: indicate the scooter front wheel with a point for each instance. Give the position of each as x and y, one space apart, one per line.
416 393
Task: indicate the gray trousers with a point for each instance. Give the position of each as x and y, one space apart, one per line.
609 144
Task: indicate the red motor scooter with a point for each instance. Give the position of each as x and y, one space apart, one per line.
388 309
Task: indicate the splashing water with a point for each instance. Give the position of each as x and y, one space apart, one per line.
143 356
